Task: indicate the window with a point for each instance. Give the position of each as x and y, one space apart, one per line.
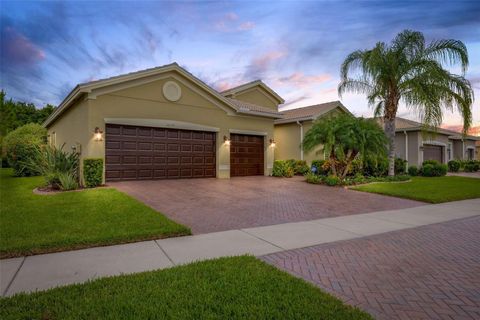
449 152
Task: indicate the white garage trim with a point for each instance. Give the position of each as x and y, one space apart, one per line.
160 123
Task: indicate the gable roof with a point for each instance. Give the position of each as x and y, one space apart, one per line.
310 112
88 87
402 124
253 84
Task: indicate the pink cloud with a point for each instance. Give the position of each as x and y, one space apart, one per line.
474 130
19 49
248 25
299 79
263 61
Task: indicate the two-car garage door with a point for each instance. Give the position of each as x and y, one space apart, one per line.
136 153
133 153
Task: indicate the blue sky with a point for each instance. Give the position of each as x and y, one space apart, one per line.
295 47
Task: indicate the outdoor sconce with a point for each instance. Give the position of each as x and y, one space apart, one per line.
226 140
98 134
272 143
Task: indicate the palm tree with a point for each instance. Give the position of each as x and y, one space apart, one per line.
345 138
412 72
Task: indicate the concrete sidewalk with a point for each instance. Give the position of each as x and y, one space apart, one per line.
45 271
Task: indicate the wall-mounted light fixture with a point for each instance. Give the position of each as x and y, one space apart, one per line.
98 134
272 143
226 140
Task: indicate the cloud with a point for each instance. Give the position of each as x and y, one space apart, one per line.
293 101
18 49
299 79
248 25
260 65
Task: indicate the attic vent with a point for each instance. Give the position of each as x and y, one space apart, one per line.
172 91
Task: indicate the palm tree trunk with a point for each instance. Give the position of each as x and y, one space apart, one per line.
390 133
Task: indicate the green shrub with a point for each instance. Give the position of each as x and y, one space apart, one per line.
313 178
332 180
400 166
357 167
413 171
67 181
375 166
289 172
279 168
50 162
301 167
432 168
432 162
21 146
320 168
290 163
93 172
453 165
471 166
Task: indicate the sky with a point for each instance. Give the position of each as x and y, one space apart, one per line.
295 47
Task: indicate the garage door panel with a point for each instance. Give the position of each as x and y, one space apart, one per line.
158 153
433 152
246 155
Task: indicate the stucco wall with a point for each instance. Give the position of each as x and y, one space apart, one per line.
287 138
145 103
72 130
257 96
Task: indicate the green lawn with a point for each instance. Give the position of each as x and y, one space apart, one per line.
32 224
227 288
433 190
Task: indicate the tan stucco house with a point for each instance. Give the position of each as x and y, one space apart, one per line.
166 123
290 130
416 146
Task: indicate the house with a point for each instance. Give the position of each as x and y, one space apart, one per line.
166 123
416 145
290 130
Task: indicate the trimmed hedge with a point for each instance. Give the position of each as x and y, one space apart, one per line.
432 168
93 172
453 165
413 171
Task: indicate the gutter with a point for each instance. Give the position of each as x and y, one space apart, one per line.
406 149
301 139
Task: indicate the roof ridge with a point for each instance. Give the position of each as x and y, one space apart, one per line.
313 105
241 85
129 73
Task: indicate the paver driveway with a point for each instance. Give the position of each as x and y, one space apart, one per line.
209 205
430 272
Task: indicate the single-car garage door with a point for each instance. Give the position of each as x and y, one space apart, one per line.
134 153
431 152
246 155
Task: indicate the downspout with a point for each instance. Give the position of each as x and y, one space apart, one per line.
301 139
406 150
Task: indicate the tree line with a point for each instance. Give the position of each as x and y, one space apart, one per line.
14 114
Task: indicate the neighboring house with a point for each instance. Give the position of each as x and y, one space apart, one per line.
166 123
290 130
416 146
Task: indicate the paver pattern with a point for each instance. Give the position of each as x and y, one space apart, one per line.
429 272
209 205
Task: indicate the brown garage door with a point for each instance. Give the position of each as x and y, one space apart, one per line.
246 155
431 152
134 153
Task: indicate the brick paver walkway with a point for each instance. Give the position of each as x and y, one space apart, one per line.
210 205
430 272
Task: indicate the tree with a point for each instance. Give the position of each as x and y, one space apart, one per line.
14 114
409 71
345 138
